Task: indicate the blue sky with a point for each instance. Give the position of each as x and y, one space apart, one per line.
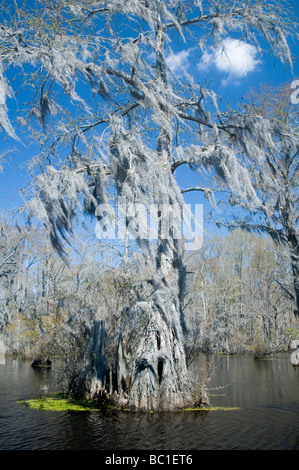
230 76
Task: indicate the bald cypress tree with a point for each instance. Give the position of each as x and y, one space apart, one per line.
109 113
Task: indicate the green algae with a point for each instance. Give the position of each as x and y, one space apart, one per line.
59 403
213 408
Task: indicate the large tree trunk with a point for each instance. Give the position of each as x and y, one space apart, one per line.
149 370
153 341
158 377
295 269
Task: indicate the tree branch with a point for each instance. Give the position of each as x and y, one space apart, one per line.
198 120
196 188
292 297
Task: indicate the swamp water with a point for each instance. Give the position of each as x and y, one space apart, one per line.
265 393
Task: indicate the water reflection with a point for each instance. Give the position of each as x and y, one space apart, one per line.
267 393
2 352
2 358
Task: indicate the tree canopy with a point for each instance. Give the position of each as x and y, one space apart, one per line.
104 104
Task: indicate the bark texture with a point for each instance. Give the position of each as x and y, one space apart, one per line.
157 378
89 380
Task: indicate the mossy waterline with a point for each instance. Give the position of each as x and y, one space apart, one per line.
58 402
212 408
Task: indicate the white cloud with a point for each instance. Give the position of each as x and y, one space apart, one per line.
233 58
178 63
236 58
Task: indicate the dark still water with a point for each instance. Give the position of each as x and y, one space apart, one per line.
267 393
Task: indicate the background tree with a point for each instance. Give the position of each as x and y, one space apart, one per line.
113 116
273 165
11 258
234 303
